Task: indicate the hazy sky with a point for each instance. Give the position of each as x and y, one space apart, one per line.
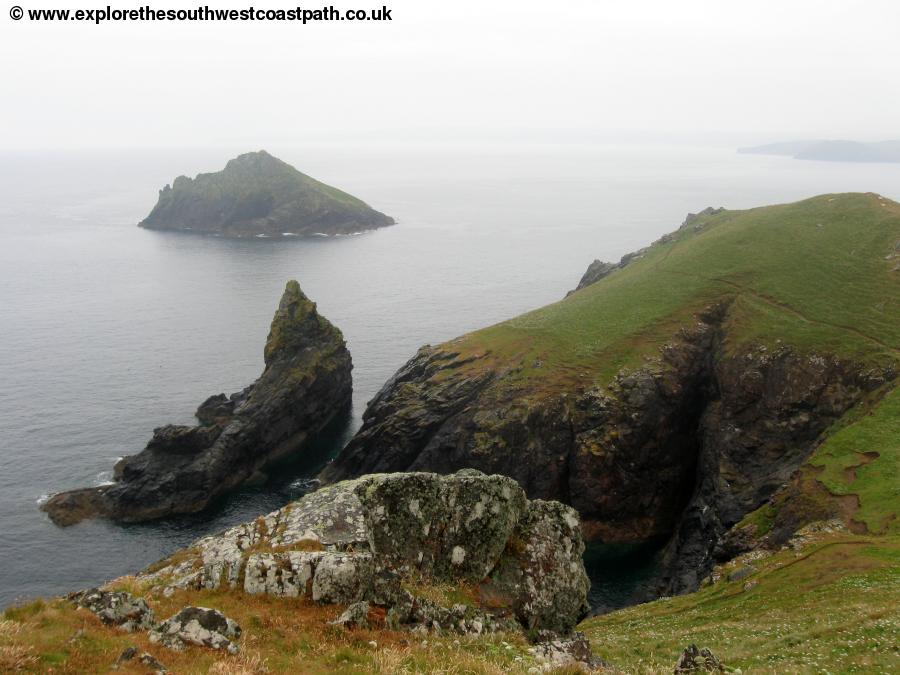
551 70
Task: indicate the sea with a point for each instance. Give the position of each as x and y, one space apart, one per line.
108 330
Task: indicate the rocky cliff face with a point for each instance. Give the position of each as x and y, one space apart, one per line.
515 563
678 450
306 381
258 195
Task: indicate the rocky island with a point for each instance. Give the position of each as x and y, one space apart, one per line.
305 383
258 195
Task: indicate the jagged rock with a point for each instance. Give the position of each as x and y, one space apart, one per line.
596 271
305 383
145 659
257 195
198 626
355 616
362 540
694 660
561 652
116 608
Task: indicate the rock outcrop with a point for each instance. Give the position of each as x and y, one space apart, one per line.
678 450
305 383
257 195
600 269
372 542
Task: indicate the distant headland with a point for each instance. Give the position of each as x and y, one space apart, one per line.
831 151
258 195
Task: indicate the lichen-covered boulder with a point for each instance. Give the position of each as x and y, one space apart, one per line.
198 626
116 608
541 573
447 527
374 538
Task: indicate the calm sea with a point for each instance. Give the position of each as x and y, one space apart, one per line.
107 330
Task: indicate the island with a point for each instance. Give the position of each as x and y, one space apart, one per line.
305 384
831 150
258 195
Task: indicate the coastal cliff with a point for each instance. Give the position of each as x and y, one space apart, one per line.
258 195
305 383
669 401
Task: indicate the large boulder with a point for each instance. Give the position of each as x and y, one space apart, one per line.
305 383
375 538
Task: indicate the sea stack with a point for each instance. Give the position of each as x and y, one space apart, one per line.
305 383
258 195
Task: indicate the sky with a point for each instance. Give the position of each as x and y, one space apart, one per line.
554 71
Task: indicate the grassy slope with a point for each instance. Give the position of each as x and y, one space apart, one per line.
813 274
832 607
280 635
817 275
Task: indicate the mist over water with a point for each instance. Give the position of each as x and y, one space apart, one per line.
109 330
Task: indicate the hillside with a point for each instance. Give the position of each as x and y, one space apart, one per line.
831 151
682 392
731 389
258 195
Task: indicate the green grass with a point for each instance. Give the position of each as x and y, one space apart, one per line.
832 608
863 458
813 274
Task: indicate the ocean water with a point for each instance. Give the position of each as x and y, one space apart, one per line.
108 330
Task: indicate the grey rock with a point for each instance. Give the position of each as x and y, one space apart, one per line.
452 527
694 660
116 608
541 573
561 652
342 578
362 540
197 626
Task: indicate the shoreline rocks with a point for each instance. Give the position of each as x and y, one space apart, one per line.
305 383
